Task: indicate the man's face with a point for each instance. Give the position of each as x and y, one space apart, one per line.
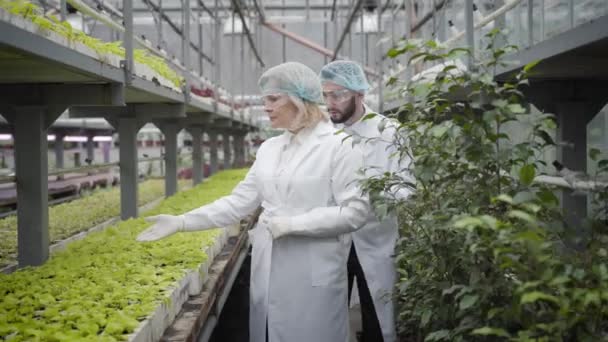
341 102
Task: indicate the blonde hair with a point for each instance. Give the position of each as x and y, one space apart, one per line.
309 114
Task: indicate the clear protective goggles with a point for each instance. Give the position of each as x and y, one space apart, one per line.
275 100
337 96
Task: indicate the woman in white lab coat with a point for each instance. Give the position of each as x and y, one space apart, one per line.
305 181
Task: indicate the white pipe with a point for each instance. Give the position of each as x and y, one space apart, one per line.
575 185
483 22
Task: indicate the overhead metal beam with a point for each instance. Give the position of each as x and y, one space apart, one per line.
333 10
428 16
206 9
247 32
175 28
199 119
351 18
311 45
268 8
62 94
259 6
386 6
139 110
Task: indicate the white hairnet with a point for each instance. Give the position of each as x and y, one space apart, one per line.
291 78
347 74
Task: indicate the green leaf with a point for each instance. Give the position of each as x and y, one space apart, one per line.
531 65
489 331
439 131
381 125
437 335
500 103
504 198
490 221
392 53
592 297
547 197
369 116
516 108
468 301
546 137
468 222
391 81
426 317
529 235
594 153
534 296
522 215
451 290
527 174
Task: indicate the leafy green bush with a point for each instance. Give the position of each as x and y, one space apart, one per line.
483 254
101 287
34 14
67 219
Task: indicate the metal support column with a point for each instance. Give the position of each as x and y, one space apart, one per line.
217 60
186 46
542 20
128 63
571 13
530 22
170 131
161 42
200 42
31 167
197 154
90 149
59 151
227 150
246 143
213 163
470 31
441 26
572 128
239 150
106 147
127 131
63 10
379 55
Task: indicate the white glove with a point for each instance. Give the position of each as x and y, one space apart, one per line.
279 226
164 225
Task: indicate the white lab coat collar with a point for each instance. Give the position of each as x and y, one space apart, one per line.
309 133
360 127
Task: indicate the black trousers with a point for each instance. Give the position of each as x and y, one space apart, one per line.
369 318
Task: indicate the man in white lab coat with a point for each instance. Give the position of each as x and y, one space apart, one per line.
371 259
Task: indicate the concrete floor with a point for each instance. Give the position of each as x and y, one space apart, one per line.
355 322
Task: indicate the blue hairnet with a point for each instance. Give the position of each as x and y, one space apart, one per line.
347 74
292 78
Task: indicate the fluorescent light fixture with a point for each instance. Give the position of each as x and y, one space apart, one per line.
50 137
237 25
4 137
75 138
101 138
370 23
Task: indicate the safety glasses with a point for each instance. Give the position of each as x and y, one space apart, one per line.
337 96
275 100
